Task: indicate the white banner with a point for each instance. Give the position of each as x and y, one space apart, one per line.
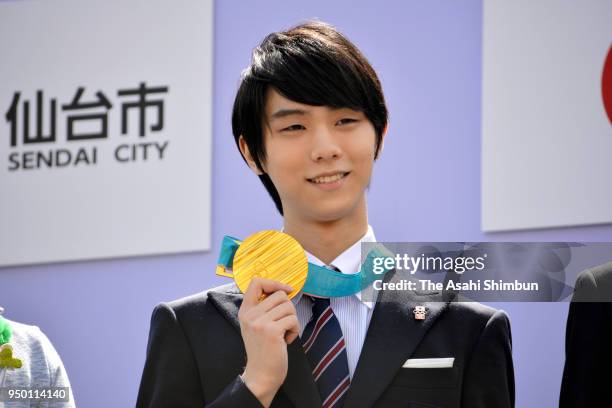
105 147
546 136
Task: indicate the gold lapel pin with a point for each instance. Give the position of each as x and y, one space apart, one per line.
419 312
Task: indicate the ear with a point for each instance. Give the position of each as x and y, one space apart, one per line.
244 149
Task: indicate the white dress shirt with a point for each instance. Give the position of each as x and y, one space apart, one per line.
352 313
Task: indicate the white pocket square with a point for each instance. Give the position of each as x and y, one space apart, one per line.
429 362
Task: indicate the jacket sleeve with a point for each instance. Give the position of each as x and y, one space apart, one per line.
587 351
489 376
57 372
170 377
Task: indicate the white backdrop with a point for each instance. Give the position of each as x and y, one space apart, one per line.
127 169
546 139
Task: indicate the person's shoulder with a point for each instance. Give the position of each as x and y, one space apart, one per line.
29 335
196 312
26 331
198 304
31 341
602 274
201 298
479 314
594 284
475 309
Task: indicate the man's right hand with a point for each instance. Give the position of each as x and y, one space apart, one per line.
267 326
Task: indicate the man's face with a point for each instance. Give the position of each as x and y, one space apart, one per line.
319 158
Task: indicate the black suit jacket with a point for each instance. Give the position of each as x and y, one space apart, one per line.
195 355
588 340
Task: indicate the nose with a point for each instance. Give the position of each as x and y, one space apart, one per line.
325 147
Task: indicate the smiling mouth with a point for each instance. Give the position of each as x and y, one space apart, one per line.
328 179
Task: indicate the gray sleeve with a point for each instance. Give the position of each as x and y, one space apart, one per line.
42 366
57 373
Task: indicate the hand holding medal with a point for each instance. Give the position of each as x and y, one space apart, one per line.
263 265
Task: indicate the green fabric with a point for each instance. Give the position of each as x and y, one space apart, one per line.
5 331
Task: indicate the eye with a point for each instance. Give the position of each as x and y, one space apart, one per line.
293 128
346 121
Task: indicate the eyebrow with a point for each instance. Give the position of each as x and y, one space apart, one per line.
281 113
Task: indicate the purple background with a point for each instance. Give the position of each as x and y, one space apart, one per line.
426 187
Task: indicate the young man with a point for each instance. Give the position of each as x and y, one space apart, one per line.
310 119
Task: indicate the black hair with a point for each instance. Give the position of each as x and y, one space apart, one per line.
313 64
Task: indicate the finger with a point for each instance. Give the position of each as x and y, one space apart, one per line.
281 310
290 326
273 300
263 308
260 286
260 310
290 336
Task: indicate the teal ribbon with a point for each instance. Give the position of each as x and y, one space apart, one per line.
321 281
229 246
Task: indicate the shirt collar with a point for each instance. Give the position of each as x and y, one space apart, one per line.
349 262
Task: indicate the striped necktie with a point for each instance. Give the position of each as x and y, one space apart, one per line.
326 351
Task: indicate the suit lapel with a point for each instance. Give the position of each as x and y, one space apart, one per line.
299 386
227 301
392 337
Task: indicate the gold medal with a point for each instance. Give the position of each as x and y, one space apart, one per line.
271 255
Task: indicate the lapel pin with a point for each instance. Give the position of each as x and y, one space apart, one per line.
419 312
